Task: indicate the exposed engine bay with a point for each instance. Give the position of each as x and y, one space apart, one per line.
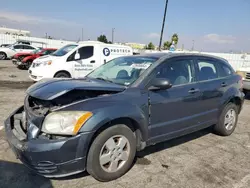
42 107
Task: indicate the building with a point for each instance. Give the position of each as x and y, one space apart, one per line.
16 32
135 45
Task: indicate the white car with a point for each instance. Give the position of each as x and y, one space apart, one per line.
8 52
76 60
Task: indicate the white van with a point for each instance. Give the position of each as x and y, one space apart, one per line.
76 60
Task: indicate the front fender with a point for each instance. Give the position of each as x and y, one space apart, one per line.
109 113
27 59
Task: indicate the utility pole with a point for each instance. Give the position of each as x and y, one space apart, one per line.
113 31
46 35
163 23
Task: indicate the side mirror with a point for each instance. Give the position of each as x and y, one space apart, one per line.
160 84
77 56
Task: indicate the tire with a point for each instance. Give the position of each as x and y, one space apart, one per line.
103 172
62 75
3 56
223 129
28 64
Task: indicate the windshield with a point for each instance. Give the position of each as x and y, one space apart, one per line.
64 50
123 70
36 51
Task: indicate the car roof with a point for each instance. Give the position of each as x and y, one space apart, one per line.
178 54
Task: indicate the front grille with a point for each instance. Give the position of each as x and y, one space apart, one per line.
248 76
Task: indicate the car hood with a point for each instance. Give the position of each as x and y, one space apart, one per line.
52 88
45 58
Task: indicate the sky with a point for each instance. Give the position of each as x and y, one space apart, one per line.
209 25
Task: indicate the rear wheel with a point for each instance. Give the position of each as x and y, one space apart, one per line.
112 153
3 56
228 120
62 75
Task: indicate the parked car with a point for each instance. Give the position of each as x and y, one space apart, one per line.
10 51
99 122
244 72
76 60
27 60
19 56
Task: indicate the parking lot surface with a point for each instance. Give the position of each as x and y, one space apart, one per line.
199 160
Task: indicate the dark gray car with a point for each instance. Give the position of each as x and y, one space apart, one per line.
98 123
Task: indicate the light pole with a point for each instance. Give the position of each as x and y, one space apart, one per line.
113 31
193 46
163 23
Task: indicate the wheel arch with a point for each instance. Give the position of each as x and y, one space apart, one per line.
62 71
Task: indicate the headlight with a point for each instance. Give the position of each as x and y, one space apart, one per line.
242 74
47 63
65 123
44 63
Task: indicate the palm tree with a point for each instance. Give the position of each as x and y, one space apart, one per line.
175 38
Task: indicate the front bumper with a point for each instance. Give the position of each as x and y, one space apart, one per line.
246 84
48 157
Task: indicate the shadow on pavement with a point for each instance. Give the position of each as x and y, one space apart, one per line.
174 142
13 175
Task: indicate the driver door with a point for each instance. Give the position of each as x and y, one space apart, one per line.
86 63
176 110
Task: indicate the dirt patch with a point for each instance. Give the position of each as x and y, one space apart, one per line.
15 84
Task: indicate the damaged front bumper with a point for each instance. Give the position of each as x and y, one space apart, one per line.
47 157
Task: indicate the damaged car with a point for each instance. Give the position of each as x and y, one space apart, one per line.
99 122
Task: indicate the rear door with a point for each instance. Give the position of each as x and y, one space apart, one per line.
212 87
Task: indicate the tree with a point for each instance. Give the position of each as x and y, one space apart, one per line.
103 38
167 45
150 46
175 38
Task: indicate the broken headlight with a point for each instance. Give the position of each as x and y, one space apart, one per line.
65 122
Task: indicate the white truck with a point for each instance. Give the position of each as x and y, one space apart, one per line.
76 60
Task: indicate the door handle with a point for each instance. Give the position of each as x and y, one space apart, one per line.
193 90
223 84
93 61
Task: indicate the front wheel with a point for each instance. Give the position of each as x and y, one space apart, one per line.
62 75
228 120
28 64
112 153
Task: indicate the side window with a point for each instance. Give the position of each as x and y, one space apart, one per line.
207 70
28 47
225 70
46 52
86 52
18 47
178 72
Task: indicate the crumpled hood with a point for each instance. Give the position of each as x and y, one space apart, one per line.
50 89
